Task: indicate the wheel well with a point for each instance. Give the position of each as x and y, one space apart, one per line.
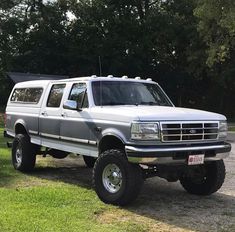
110 142
20 129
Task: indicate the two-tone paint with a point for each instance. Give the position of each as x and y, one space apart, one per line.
81 131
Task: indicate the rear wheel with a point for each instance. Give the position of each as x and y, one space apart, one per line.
204 179
116 181
23 153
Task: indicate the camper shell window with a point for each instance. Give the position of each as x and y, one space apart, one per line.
27 95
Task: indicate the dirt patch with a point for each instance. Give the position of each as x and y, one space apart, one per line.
71 170
121 216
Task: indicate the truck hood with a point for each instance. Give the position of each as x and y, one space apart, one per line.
154 113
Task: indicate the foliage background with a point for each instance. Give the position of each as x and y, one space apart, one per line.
185 45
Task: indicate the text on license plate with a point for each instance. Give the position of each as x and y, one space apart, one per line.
196 159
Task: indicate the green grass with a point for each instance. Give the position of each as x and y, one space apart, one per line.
1 120
231 128
37 202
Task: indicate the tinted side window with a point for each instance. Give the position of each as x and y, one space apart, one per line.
27 95
78 94
56 95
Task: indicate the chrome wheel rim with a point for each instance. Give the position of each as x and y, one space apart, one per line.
112 178
19 155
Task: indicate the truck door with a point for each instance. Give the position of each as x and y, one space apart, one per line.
50 115
75 124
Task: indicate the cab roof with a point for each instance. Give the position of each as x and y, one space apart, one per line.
88 78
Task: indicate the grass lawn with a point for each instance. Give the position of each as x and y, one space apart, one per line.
51 199
231 128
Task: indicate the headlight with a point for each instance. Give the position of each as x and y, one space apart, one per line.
223 129
144 131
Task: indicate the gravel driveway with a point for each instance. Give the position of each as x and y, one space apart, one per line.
161 205
170 205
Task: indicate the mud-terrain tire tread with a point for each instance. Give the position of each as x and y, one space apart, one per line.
28 153
131 172
215 179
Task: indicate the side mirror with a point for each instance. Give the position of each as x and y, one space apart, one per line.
70 105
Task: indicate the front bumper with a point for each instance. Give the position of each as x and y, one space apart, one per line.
176 154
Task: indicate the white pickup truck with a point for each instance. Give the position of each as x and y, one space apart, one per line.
128 129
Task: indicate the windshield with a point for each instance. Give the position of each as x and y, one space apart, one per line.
128 93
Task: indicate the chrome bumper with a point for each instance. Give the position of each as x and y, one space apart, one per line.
171 154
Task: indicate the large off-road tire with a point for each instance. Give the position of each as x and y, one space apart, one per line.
204 179
116 181
89 161
23 153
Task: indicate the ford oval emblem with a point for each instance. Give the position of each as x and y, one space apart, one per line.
192 131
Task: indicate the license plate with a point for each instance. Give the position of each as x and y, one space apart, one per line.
196 159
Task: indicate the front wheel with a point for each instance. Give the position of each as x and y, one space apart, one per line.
23 153
204 179
116 181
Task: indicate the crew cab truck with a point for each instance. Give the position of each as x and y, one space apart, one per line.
128 129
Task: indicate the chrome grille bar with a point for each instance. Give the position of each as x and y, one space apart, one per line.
189 131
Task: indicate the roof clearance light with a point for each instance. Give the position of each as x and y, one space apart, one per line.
124 77
93 76
110 76
137 78
149 79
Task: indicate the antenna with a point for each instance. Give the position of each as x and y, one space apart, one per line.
101 87
100 66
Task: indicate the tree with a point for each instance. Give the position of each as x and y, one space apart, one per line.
187 46
217 28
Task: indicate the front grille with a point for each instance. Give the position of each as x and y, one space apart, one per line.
189 131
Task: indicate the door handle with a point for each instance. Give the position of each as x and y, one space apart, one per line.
44 113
